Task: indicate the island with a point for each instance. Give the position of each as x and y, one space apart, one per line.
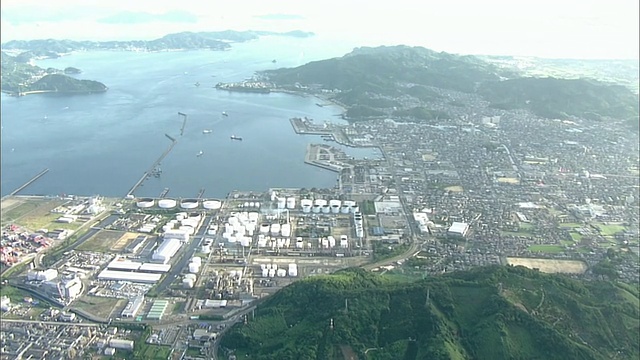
21 79
415 84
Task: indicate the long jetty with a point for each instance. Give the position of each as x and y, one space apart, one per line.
200 193
164 193
150 171
33 179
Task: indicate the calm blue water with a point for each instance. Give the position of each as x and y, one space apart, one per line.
102 144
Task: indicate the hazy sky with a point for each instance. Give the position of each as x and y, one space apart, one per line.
545 28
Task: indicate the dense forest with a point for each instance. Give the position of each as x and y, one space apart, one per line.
485 313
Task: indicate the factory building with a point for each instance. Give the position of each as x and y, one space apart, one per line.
157 309
167 249
136 245
458 229
129 276
121 344
133 306
181 235
42 275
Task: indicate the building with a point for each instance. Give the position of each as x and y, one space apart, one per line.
458 229
155 268
121 344
176 234
167 249
42 275
129 276
133 306
5 303
135 245
157 309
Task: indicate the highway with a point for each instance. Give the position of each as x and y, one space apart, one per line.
50 323
184 255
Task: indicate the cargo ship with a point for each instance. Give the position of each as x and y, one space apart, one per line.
233 137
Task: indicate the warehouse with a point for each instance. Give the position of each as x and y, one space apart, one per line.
122 264
157 309
155 268
167 249
129 276
459 229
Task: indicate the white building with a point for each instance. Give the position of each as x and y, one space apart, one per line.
181 235
146 278
121 344
133 306
167 249
5 303
72 288
458 229
42 275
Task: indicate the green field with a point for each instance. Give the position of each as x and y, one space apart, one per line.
570 225
575 236
18 211
608 230
154 352
102 241
97 305
552 249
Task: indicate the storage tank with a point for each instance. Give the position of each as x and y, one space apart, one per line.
189 203
281 272
316 208
197 260
245 241
291 203
231 239
167 203
326 209
145 203
306 205
345 209
206 249
285 229
188 283
335 206
282 202
264 228
265 272
212 204
253 216
275 229
194 268
233 220
272 272
246 205
355 209
257 205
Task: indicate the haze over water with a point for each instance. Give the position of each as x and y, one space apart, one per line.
102 143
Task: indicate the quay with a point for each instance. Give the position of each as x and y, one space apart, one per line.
33 179
325 157
164 193
148 173
200 194
306 127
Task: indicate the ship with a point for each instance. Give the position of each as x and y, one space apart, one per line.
224 113
207 131
233 137
197 84
200 153
273 61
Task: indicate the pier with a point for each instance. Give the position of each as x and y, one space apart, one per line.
151 169
33 179
326 157
164 193
200 194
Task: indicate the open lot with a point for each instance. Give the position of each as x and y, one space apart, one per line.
104 241
550 265
98 305
552 249
455 188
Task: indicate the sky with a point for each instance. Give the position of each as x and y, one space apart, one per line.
587 29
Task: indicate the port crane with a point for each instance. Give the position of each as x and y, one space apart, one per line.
184 122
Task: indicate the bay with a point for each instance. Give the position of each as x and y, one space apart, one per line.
103 143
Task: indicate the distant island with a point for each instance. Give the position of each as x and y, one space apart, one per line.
405 82
495 312
21 77
215 40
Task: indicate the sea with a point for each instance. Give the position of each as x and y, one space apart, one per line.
101 144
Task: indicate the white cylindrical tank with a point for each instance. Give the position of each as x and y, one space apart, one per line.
167 203
272 273
345 209
275 229
145 203
197 260
263 266
264 228
282 202
265 272
326 209
245 241
228 228
355 209
257 205
233 220
335 206
253 216
291 203
285 229
188 283
281 272
316 208
212 204
189 203
194 268
206 249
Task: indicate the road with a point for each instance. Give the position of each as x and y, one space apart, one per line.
50 323
184 256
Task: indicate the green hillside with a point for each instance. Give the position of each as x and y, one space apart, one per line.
485 313
66 84
379 77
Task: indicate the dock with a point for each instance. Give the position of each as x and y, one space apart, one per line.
148 173
33 179
164 193
325 157
200 194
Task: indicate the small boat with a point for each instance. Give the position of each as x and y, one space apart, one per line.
273 61
224 113
197 84
200 153
207 131
233 137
